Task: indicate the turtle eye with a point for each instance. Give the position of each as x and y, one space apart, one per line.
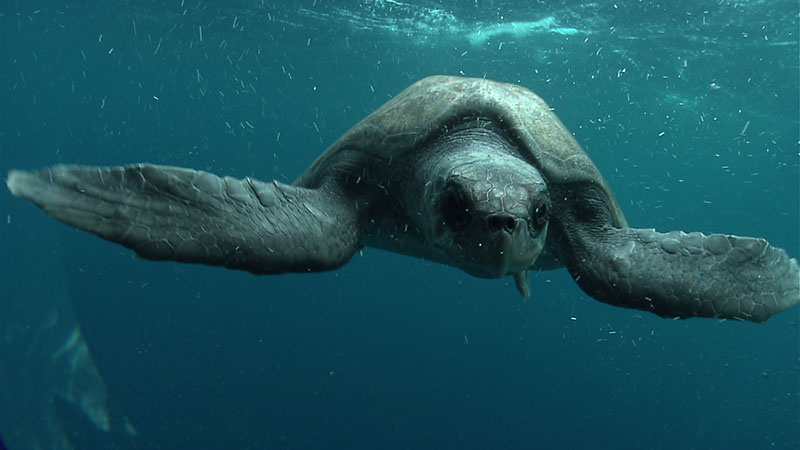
539 215
455 208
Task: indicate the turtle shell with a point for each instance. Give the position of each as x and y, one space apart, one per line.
426 108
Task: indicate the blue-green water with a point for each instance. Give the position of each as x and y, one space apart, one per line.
690 109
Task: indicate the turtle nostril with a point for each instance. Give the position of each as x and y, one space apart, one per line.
501 222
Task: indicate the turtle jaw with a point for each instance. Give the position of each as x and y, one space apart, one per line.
485 252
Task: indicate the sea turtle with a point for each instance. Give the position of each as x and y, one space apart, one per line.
471 173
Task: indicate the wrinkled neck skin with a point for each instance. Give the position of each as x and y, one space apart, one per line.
480 206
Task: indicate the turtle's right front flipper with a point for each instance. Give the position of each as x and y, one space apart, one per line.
171 213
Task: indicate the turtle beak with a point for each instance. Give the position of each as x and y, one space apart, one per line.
502 246
511 247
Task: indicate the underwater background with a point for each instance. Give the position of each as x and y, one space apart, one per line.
689 109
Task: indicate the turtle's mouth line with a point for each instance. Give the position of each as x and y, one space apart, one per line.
501 260
498 256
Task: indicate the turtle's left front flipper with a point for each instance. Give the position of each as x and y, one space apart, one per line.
192 216
685 275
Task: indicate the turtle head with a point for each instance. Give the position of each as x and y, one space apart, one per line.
488 212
